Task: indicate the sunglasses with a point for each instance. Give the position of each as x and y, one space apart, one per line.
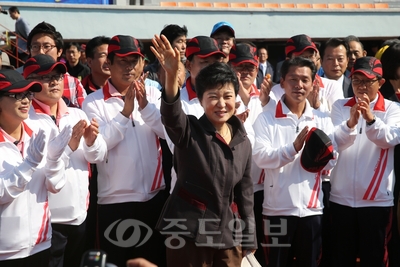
20 96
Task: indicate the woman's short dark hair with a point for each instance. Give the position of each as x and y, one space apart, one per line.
298 62
216 75
391 62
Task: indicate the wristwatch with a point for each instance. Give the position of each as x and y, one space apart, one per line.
371 122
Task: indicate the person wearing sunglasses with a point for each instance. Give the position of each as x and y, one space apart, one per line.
29 168
50 112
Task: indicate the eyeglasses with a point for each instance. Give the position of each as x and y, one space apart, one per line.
248 69
367 83
46 47
47 78
21 96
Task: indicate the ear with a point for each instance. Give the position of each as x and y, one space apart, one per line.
59 53
187 65
365 53
281 82
381 82
89 62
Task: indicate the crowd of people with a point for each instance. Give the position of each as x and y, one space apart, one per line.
202 157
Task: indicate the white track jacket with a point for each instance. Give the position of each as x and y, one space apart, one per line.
288 188
69 206
364 176
25 227
132 168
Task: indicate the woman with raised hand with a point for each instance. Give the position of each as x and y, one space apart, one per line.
208 219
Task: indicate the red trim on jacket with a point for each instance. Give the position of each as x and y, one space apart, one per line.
107 92
279 111
157 179
254 91
379 105
378 175
44 228
315 192
189 88
321 83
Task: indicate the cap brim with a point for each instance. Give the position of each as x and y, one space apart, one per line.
298 53
47 68
126 52
223 28
208 54
239 61
368 74
23 86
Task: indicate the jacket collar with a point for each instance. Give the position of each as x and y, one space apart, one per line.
110 91
239 133
190 89
321 83
88 84
282 110
25 129
254 91
379 103
41 108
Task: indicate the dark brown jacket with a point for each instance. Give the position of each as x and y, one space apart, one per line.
214 188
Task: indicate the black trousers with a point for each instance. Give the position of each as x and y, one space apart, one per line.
326 228
127 230
362 232
40 259
67 245
291 236
258 203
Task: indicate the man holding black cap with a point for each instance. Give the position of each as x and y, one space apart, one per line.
30 167
292 190
224 33
367 130
68 208
130 179
326 91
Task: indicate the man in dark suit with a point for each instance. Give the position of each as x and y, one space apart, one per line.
264 66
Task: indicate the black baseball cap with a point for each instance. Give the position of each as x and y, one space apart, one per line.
124 45
317 151
243 53
11 81
369 66
42 64
203 46
298 44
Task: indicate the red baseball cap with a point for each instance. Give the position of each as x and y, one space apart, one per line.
317 151
11 81
298 44
123 45
203 46
42 64
243 53
369 66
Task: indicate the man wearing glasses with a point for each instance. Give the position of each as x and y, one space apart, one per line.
44 39
69 207
361 200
